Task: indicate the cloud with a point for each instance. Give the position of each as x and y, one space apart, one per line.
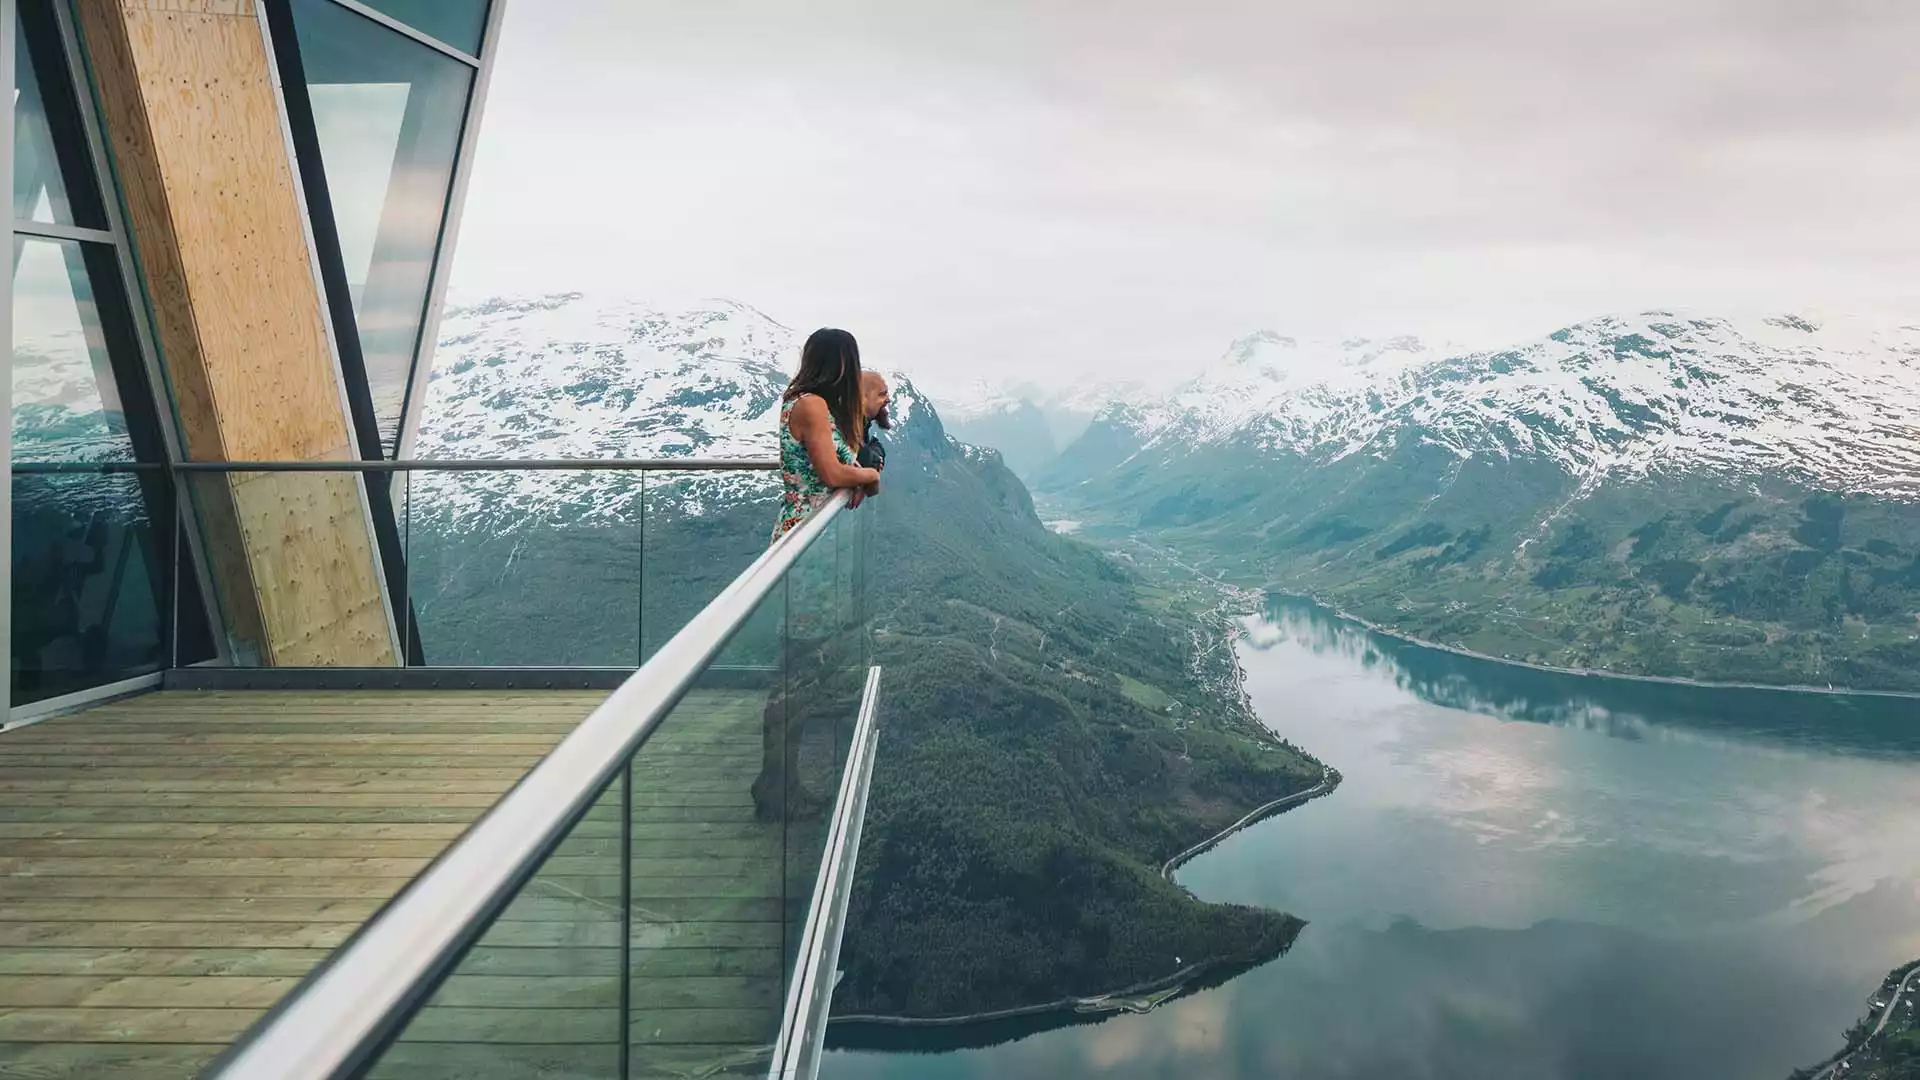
996 187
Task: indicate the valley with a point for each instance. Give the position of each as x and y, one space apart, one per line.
1057 725
1657 495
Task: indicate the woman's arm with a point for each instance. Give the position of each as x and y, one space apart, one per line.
812 424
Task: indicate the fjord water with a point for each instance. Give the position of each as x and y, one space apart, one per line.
1527 874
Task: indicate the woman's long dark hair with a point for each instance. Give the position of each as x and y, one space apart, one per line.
830 367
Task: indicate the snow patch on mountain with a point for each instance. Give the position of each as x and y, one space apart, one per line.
1835 405
572 375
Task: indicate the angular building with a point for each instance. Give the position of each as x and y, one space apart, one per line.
227 758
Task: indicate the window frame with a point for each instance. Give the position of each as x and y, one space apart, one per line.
140 381
385 493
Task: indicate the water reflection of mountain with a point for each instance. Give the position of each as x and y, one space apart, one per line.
1870 725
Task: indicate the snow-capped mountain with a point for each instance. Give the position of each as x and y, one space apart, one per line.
1835 406
577 376
1661 493
59 413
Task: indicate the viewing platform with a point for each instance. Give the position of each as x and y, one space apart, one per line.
173 864
335 873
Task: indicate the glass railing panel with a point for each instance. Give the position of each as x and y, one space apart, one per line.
526 568
816 706
659 938
501 565
703 529
91 581
539 995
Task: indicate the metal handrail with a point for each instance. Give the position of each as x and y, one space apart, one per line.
344 1014
415 465
803 1025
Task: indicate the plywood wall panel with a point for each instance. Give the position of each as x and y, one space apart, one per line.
310 550
240 230
194 121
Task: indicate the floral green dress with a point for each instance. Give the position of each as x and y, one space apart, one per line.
803 490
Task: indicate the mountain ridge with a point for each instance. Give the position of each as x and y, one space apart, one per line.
1653 495
1617 395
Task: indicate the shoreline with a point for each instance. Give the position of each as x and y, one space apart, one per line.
1329 780
1589 673
1155 991
1118 1001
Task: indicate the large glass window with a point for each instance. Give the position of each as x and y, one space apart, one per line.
86 603
93 559
42 162
459 23
388 113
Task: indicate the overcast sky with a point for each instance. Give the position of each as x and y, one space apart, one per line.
999 187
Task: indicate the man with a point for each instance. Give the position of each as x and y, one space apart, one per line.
874 399
875 396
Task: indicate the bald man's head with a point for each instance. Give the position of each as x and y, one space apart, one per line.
875 395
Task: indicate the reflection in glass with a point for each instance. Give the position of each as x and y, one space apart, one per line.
66 406
88 567
388 112
458 23
535 569
47 151
659 937
87 591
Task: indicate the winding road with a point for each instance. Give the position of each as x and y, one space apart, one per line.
1328 781
1907 986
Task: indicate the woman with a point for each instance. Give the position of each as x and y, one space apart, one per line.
822 421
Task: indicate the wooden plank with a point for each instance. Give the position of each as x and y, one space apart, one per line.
485 959
444 832
415 1060
55 961
122 829
57 796
240 778
127 1025
188 868
503 1061
128 935
725 856
700 936
219 765
652 964
443 744
523 1026
141 991
327 781
654 894
294 729
215 888
149 910
50 812
548 905
350 848
102 1061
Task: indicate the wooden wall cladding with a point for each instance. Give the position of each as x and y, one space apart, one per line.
311 550
194 122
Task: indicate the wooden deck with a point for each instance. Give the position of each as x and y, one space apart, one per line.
171 865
